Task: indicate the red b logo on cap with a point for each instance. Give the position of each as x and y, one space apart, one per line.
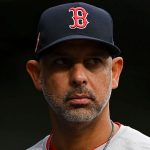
80 21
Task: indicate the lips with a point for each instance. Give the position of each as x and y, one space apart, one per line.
79 99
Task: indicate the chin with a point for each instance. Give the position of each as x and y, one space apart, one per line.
80 115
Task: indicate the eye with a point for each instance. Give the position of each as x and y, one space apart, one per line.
60 61
93 61
63 62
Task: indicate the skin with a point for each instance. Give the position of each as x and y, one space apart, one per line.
77 78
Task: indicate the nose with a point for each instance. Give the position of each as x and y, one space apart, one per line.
78 75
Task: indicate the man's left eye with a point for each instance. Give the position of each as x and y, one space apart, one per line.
93 61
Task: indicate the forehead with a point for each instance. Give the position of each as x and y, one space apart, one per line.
77 48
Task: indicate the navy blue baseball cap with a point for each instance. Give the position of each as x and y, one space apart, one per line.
75 21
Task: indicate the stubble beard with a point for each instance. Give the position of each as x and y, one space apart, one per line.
79 114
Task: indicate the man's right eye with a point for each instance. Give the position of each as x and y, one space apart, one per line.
59 61
62 62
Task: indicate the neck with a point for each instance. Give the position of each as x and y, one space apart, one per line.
82 136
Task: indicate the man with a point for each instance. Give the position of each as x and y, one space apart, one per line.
77 67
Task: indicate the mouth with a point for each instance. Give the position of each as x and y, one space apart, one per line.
79 100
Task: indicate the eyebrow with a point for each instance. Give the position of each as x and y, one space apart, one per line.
62 52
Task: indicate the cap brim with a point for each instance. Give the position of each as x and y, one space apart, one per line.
113 49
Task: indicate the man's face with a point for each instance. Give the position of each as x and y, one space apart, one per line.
77 79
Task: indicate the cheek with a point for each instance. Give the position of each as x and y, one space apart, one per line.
102 84
56 83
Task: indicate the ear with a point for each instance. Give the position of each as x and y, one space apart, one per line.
117 65
33 68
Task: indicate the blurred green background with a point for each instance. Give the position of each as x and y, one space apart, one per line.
24 115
